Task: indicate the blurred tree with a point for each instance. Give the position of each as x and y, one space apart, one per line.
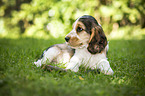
10 5
140 6
55 17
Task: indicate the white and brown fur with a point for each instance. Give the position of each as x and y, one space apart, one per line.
85 45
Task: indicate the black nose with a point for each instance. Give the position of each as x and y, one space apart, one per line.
67 39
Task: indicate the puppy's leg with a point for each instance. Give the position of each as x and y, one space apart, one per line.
38 63
74 64
104 67
48 56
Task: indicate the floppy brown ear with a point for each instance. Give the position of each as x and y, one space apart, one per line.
98 40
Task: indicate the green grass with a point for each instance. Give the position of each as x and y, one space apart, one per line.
19 77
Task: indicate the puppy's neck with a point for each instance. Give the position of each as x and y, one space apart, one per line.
83 47
82 50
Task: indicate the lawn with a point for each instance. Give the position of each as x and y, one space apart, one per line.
19 77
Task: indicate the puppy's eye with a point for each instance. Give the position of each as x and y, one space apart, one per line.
79 29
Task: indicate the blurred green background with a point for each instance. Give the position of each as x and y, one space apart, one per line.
54 18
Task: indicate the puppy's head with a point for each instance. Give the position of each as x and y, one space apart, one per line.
88 33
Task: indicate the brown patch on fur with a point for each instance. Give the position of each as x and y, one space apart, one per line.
80 24
64 47
74 41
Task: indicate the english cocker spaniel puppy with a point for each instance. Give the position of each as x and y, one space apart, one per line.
85 45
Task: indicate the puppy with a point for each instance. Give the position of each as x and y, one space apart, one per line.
85 45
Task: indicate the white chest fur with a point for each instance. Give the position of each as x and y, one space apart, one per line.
85 58
88 59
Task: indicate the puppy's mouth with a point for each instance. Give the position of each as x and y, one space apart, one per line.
75 45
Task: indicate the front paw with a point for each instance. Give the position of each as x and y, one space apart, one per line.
109 72
38 63
73 67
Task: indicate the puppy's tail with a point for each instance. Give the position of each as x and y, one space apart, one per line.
51 68
107 48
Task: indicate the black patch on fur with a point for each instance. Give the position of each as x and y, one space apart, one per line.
45 51
88 21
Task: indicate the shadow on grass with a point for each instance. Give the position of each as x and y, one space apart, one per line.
126 57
